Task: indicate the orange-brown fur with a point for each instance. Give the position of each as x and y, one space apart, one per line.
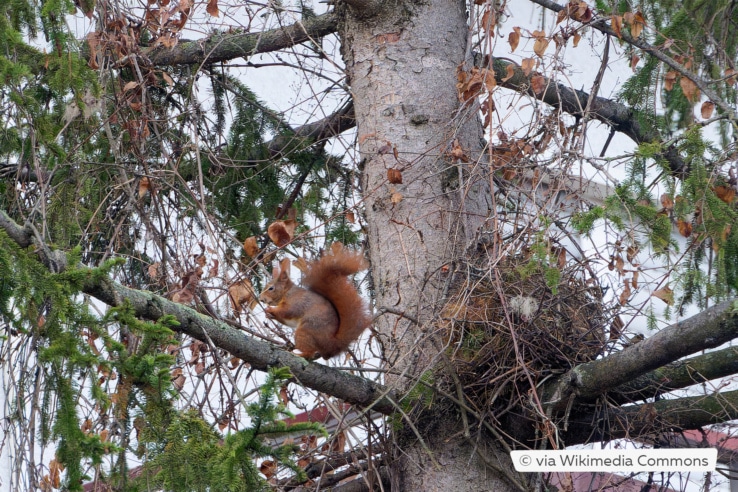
327 311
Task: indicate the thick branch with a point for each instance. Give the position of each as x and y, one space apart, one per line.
616 115
677 375
708 329
260 355
221 47
23 236
652 418
601 25
330 126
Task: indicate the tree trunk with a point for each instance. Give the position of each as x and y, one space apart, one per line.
402 61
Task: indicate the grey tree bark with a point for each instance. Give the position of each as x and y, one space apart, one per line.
401 62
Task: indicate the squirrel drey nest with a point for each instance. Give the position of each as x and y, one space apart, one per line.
506 322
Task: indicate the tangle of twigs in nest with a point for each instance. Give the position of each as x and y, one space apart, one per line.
512 324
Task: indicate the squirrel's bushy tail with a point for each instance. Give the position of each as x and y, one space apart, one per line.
328 276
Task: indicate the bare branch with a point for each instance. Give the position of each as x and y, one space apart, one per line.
650 418
680 374
221 47
21 235
330 126
708 329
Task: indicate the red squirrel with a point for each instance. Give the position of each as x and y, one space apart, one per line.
327 311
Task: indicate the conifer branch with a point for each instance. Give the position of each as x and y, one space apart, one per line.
258 354
601 25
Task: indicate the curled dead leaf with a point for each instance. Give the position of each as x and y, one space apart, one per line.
631 253
514 38
636 27
538 83
242 294
540 45
665 294
689 89
669 80
634 59
457 152
394 176
724 193
625 295
281 232
684 227
250 246
617 25
212 8
153 270
489 21
527 64
706 110
509 72
130 86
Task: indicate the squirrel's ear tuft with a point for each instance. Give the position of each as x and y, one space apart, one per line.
284 266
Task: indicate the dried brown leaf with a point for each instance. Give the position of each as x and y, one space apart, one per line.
631 253
394 176
634 59
625 295
212 8
538 83
617 25
638 24
281 232
576 38
619 264
563 14
706 110
725 193
489 21
509 72
539 47
251 247
665 294
684 227
514 38
527 64
242 294
689 89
